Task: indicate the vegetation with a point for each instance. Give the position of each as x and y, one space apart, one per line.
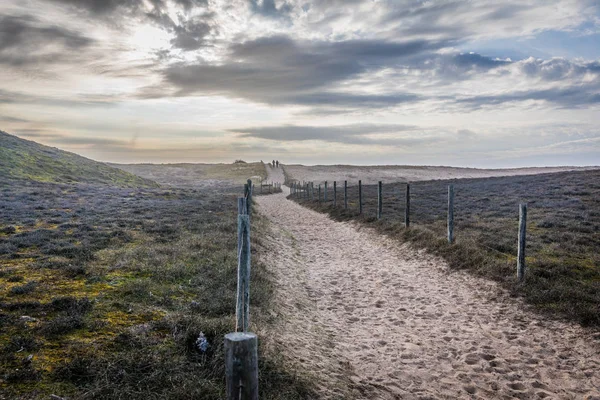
25 160
563 277
199 175
106 292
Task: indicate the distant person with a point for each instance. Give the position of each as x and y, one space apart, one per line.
273 163
277 162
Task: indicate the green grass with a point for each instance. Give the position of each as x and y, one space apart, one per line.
563 245
23 159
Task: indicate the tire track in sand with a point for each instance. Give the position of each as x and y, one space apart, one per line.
371 318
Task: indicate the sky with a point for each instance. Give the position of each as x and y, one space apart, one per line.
473 83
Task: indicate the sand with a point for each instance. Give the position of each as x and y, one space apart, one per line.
369 317
398 173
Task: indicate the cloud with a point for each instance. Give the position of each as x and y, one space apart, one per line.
112 7
572 97
558 68
328 133
355 134
11 97
268 8
24 41
7 118
60 139
279 70
189 31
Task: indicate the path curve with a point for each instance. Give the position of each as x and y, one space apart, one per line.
371 318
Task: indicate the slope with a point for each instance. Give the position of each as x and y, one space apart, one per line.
22 159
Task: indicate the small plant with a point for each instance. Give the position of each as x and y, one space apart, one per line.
15 278
24 289
9 230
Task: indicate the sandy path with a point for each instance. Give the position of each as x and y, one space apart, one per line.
370 318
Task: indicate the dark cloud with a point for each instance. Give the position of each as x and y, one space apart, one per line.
347 134
24 41
109 7
279 70
189 32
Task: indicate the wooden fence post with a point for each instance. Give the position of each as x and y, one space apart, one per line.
242 208
407 209
360 204
522 242
345 195
312 191
334 193
319 193
450 214
325 196
243 283
241 366
379 199
249 197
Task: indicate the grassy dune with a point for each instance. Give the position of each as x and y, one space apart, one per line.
105 292
114 288
563 232
26 160
198 175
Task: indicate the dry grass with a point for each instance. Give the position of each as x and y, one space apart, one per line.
104 292
563 254
209 176
371 174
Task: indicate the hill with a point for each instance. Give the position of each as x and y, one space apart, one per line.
22 159
371 174
198 175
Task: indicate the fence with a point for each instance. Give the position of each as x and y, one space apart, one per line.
303 191
271 187
241 346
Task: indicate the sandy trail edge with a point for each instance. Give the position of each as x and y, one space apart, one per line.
370 318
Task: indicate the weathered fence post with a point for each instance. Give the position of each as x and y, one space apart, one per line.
334 193
407 209
319 193
241 366
450 214
522 242
249 197
243 283
242 208
345 195
325 196
379 199
360 197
